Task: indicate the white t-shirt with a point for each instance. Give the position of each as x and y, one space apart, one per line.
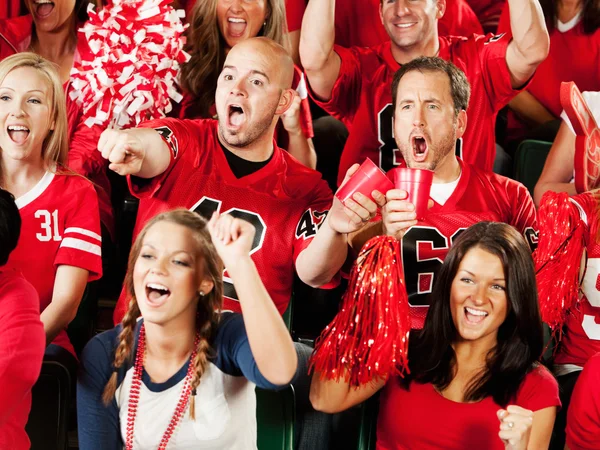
441 192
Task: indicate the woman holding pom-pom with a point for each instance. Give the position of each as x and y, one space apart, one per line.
184 376
473 371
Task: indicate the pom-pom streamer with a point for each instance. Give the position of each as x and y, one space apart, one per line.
368 338
128 72
562 239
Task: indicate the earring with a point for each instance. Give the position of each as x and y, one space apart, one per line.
201 293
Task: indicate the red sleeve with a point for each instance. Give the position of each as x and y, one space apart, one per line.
84 157
176 134
345 96
459 20
294 12
583 416
504 22
81 243
496 76
524 214
23 342
305 115
538 391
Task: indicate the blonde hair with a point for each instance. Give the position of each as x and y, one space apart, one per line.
207 48
208 308
56 145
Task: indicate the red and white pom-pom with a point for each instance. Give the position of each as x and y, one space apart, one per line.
562 239
368 338
127 74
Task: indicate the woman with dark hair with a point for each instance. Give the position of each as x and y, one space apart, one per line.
183 377
50 30
21 334
574 28
215 27
474 369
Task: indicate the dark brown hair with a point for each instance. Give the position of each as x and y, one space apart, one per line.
590 14
459 85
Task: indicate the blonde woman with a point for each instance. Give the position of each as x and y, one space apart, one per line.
215 27
184 376
59 249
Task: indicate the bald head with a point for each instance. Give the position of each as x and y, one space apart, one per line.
277 61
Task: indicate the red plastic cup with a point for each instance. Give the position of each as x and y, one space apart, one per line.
417 182
368 178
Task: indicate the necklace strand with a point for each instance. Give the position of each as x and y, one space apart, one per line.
136 384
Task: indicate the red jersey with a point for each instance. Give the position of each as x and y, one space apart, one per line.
60 226
362 99
421 418
574 56
294 12
583 416
479 196
84 157
581 338
285 201
23 344
488 12
358 24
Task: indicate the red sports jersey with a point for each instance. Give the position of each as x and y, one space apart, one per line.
284 200
479 196
581 338
574 56
488 12
421 418
583 416
362 99
358 24
294 11
60 226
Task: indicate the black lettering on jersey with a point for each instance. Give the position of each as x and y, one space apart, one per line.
495 38
423 252
531 236
309 223
170 138
207 206
389 155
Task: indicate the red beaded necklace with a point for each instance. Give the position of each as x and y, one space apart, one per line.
136 384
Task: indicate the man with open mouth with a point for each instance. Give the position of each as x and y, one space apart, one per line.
430 98
353 84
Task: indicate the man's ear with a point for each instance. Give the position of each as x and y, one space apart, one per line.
461 123
285 101
441 9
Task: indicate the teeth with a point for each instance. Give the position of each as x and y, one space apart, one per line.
476 312
404 25
42 2
158 287
17 128
235 20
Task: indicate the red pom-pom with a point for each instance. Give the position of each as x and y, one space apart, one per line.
368 338
562 239
129 70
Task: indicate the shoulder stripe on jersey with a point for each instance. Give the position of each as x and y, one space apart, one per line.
36 191
84 232
82 245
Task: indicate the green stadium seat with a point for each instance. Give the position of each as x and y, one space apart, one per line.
275 416
529 162
367 435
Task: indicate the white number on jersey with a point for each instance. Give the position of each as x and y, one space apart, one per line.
49 225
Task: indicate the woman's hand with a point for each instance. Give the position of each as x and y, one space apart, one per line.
515 427
231 237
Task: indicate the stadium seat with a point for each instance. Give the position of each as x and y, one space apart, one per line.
275 416
51 396
367 436
529 162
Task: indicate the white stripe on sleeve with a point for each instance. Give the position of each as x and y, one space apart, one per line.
84 232
82 245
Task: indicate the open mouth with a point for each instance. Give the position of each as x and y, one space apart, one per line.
157 294
43 8
419 146
475 315
235 116
18 133
236 26
405 25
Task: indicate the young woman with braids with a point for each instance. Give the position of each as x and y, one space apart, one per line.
215 27
184 376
